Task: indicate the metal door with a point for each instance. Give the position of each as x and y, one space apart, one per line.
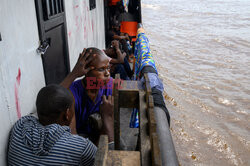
53 39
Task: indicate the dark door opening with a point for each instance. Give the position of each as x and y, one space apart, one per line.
114 12
52 30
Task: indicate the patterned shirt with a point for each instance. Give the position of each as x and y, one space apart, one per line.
31 143
143 56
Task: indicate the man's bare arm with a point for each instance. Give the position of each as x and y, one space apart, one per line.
79 70
107 114
120 55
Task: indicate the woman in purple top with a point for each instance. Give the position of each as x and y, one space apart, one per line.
93 93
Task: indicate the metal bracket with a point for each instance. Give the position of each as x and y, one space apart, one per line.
43 47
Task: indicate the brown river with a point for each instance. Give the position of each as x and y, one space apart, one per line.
202 51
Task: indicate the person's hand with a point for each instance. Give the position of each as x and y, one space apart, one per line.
121 56
127 37
83 61
106 111
124 55
80 68
115 43
106 108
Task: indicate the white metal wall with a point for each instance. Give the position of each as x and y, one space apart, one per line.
21 70
85 27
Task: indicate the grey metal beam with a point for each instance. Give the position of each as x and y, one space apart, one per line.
168 153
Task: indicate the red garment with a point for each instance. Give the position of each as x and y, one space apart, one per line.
113 2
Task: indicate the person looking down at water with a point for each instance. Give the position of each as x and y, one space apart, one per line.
92 94
48 139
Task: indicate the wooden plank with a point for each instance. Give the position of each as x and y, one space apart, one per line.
147 87
146 77
128 99
123 158
152 122
155 152
102 151
116 113
131 85
154 141
147 83
144 140
151 116
129 94
150 101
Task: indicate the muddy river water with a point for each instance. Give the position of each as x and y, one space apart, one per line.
202 51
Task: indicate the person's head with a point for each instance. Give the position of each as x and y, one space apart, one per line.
116 25
100 64
55 104
111 52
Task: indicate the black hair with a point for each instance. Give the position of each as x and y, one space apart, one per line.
51 101
94 50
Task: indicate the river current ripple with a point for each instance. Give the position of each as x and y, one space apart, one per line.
202 51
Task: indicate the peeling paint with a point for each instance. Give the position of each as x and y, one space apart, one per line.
18 77
92 25
17 85
82 27
18 92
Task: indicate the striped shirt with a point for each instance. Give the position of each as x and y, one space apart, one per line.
30 143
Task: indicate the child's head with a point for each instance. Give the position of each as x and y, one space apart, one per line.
100 64
55 104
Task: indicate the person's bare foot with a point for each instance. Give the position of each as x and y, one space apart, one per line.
140 28
131 58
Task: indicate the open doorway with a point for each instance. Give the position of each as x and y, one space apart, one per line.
127 13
